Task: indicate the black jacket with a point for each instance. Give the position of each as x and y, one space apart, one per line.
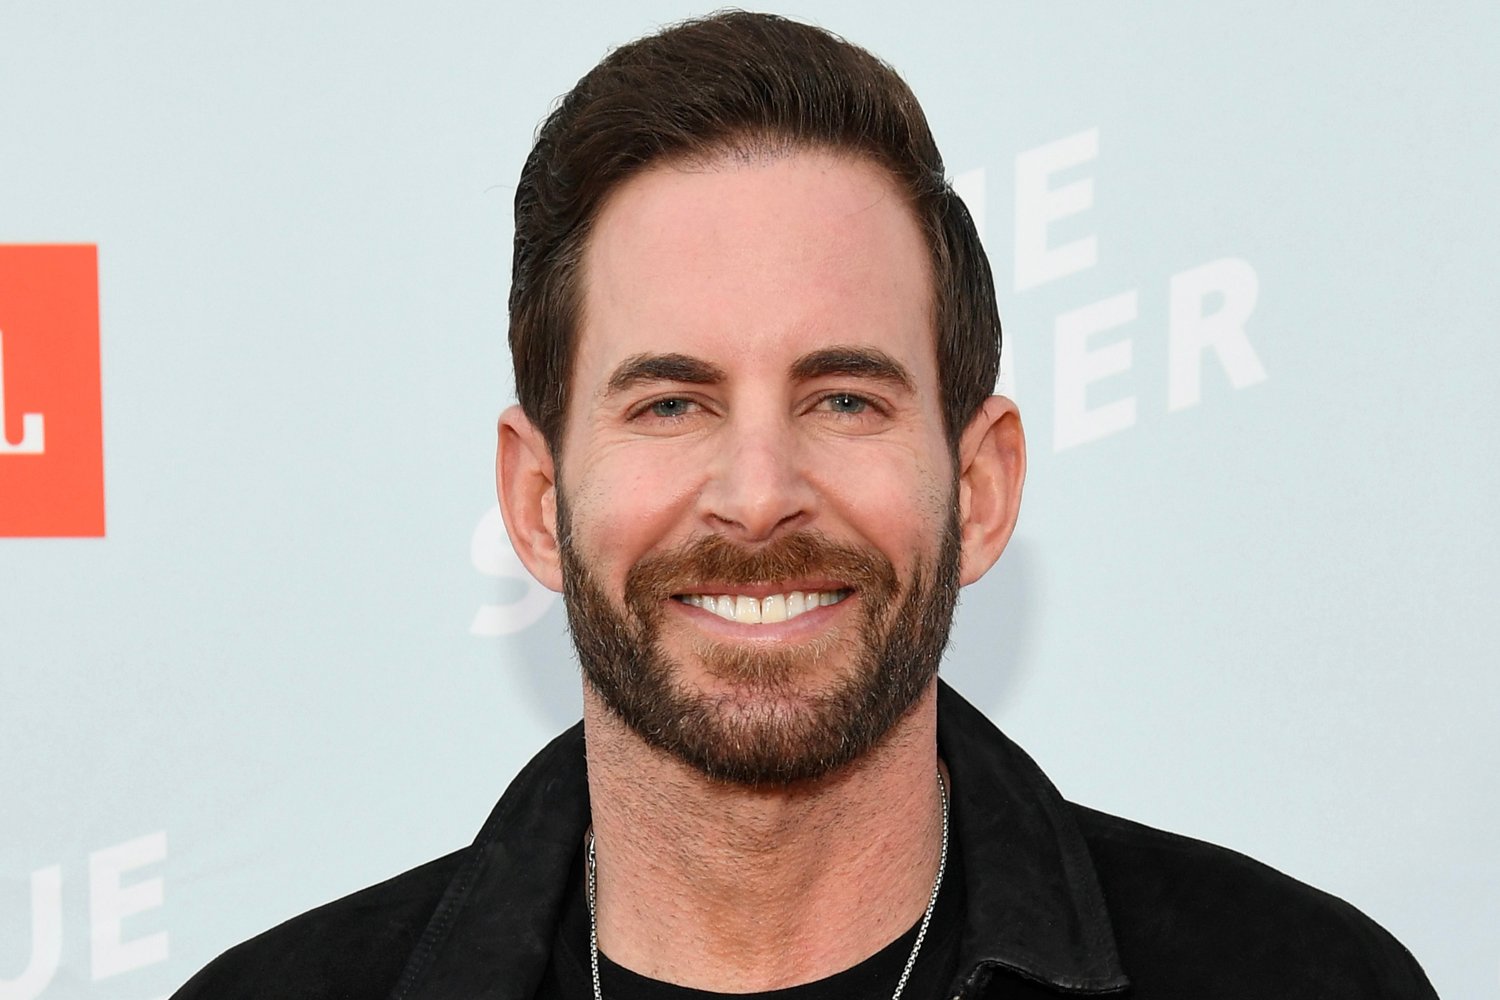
1061 901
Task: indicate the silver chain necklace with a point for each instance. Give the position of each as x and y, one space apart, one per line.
911 960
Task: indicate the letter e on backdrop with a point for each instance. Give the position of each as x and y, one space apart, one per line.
51 439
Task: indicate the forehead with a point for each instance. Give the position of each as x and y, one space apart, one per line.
747 259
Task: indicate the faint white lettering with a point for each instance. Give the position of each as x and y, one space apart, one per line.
1076 367
1191 332
111 901
46 937
1038 205
492 555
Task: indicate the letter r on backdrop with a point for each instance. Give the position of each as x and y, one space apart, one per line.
1195 330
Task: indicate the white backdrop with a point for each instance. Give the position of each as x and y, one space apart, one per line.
1252 597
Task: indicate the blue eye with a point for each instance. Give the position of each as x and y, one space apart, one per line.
844 402
670 407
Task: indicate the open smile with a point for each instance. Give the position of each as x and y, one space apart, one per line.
768 609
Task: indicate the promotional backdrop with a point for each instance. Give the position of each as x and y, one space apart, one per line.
263 642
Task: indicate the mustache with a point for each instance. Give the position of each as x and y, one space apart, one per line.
715 559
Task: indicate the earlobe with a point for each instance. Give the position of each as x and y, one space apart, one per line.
526 483
991 471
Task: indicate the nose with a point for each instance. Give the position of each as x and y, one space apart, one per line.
757 484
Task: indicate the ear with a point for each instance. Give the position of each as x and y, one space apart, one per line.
526 482
991 469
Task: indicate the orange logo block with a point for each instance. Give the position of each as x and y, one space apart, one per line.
51 439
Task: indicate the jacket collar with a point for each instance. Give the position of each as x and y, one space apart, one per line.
1034 903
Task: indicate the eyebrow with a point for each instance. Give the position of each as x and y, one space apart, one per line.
860 362
639 368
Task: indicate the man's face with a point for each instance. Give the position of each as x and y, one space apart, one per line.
756 495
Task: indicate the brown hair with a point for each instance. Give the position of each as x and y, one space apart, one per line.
733 82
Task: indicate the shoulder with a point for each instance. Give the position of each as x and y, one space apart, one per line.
1197 916
352 948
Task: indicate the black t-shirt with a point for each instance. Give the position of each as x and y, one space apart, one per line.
568 976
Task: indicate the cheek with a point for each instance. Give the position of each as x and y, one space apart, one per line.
897 501
624 504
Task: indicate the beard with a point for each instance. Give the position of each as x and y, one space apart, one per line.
782 719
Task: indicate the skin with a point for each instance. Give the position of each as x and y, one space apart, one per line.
748 268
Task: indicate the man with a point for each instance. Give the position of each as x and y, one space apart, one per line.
755 340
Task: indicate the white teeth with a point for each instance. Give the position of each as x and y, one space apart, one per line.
770 609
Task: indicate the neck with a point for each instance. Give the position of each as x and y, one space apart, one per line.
739 889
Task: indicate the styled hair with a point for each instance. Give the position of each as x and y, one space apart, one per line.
737 84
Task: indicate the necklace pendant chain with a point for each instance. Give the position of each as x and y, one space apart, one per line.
911 960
